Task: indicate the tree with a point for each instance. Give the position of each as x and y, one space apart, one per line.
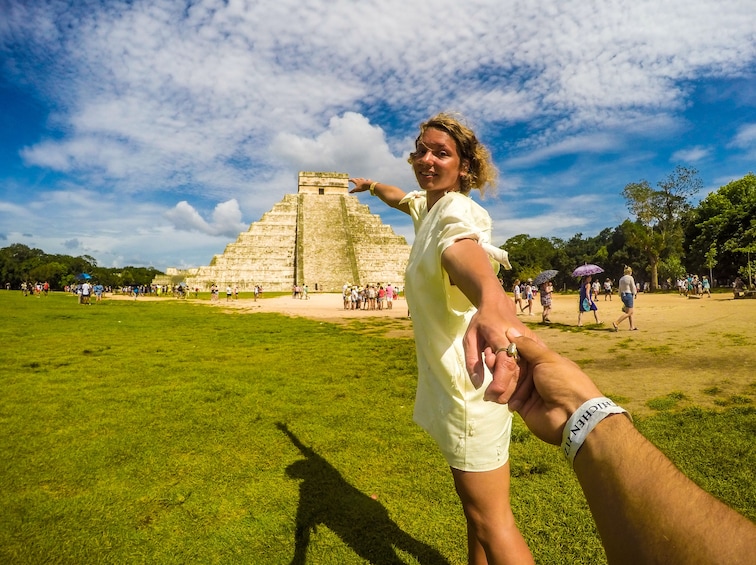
528 256
725 220
711 260
659 213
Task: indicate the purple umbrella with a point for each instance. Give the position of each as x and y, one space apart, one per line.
587 269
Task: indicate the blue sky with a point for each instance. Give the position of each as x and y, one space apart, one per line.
152 132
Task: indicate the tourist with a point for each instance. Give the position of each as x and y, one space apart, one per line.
738 287
545 292
645 509
389 296
86 289
586 303
529 296
706 286
517 291
449 276
595 288
628 292
608 289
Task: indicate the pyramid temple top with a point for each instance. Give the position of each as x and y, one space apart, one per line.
323 183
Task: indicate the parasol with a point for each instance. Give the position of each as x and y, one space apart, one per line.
544 276
587 269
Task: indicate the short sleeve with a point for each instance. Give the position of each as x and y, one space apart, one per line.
461 218
418 208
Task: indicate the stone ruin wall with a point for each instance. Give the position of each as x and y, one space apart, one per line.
322 236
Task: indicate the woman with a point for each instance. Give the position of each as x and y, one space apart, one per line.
545 291
586 303
458 305
628 291
529 296
517 295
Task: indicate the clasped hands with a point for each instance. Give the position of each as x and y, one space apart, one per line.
542 386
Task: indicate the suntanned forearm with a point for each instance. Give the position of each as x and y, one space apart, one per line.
647 511
469 269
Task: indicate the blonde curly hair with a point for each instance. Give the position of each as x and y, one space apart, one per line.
481 172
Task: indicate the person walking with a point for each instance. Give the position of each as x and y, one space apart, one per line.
628 292
545 291
706 285
586 303
517 290
608 289
529 296
456 299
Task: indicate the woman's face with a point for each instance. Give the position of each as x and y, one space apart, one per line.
436 162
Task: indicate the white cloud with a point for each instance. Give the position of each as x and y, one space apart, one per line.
226 219
196 87
690 155
351 145
226 101
746 137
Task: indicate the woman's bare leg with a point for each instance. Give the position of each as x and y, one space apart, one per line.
492 534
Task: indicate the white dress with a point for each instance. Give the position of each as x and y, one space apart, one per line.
473 434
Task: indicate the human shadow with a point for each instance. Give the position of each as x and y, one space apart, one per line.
361 522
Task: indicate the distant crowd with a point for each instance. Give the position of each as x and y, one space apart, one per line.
369 297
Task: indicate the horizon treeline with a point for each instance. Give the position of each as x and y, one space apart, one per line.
668 239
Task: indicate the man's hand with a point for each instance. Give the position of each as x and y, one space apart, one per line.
549 390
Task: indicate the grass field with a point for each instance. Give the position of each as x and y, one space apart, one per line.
170 432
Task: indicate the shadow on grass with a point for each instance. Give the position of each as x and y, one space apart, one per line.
325 498
570 328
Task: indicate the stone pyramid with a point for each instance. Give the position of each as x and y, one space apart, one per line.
322 237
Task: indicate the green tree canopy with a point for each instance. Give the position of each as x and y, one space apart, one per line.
725 220
659 214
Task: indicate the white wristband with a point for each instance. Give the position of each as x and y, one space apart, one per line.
583 420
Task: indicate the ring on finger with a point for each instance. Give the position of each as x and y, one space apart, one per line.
510 350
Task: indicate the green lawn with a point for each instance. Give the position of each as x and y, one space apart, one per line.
170 432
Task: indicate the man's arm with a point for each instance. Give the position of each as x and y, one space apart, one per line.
646 510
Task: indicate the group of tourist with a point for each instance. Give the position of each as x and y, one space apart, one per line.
369 297
37 289
524 296
692 285
232 292
589 289
301 291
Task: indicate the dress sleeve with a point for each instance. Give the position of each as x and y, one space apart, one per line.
461 218
416 202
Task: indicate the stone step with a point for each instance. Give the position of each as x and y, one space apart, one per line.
322 236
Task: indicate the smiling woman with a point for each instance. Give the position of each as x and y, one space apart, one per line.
460 311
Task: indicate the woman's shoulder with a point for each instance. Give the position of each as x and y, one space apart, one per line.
459 205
